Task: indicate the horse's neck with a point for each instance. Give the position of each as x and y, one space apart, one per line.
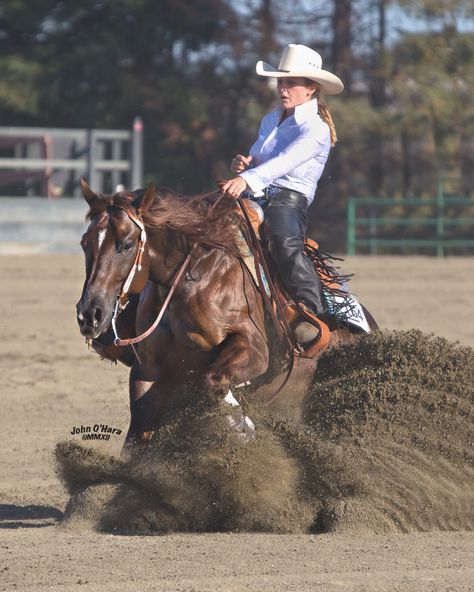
165 255
168 250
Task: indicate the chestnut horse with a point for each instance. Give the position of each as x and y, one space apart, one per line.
213 333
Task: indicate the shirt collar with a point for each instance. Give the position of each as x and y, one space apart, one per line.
303 112
306 111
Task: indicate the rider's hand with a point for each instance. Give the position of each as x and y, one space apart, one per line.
240 163
233 187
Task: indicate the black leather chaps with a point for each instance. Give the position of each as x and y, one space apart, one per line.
286 222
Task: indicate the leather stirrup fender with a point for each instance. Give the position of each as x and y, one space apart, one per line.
323 339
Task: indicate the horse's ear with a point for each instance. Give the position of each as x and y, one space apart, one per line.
147 199
88 194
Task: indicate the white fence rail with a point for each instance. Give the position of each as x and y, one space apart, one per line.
50 161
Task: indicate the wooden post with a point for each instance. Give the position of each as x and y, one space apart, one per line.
440 218
351 216
92 175
137 154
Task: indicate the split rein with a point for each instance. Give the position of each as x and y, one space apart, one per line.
136 267
281 325
128 282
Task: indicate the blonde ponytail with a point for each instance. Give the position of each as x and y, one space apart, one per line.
323 109
325 115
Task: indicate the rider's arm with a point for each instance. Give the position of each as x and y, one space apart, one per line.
308 144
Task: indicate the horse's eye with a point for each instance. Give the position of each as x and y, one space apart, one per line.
126 247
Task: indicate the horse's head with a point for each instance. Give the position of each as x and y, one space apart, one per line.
111 246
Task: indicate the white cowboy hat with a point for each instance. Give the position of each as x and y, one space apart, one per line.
302 61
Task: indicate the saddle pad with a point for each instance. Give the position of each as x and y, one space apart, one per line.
347 308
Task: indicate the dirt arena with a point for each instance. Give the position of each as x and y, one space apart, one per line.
408 516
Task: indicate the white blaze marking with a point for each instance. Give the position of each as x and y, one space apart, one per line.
101 236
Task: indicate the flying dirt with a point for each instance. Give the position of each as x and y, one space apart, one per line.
384 445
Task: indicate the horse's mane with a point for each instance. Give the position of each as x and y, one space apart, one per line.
206 220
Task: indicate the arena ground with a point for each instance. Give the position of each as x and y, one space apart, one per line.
53 384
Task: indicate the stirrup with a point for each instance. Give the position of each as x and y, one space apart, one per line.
323 338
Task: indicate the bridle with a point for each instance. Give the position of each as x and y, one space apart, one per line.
137 264
122 298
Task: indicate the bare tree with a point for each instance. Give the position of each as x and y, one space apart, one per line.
342 61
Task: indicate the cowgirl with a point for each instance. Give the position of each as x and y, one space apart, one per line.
284 166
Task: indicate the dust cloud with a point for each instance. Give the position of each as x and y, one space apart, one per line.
385 445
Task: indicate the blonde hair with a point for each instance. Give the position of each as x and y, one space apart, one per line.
325 114
323 111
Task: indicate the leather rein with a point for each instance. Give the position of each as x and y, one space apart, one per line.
272 302
281 324
137 266
119 306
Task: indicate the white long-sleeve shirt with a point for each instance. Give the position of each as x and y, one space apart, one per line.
290 155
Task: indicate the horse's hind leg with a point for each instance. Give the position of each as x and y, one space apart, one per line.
237 361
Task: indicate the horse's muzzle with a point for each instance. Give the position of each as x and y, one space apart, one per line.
90 319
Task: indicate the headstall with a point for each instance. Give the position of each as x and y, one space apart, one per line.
137 266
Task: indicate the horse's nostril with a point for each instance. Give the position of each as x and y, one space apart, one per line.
79 316
97 316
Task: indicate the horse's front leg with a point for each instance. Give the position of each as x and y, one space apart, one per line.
149 387
149 395
241 358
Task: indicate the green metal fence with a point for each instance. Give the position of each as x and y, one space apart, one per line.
441 225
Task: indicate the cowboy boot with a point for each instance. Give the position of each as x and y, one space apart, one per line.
306 333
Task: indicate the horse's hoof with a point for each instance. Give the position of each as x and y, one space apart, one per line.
241 423
136 445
